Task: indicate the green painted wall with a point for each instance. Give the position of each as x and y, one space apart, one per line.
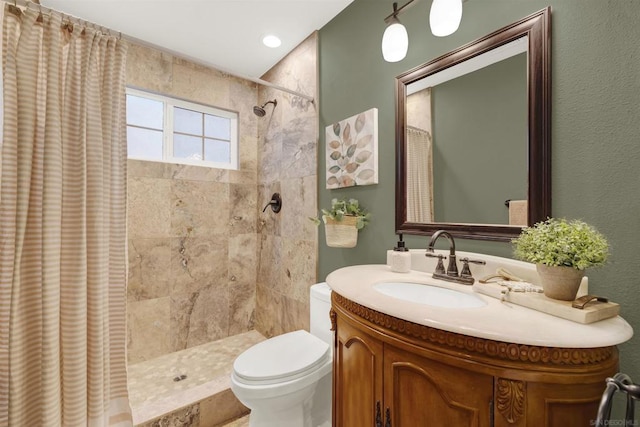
595 125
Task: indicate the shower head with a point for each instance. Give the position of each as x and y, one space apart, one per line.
259 111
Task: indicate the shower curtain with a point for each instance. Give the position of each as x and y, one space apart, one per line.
419 175
62 224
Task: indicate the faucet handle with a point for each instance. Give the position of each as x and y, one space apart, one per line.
466 271
440 266
434 255
473 261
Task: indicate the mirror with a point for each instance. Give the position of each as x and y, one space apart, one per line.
473 136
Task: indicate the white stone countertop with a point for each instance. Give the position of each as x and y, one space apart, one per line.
495 321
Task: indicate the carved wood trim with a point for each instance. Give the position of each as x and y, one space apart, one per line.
333 316
510 398
496 349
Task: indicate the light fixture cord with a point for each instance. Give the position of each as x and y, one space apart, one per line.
397 11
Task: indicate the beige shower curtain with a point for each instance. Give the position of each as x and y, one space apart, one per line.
419 175
62 225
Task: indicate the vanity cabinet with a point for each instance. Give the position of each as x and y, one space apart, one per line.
389 372
420 391
358 364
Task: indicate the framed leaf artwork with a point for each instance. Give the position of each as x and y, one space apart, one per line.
352 151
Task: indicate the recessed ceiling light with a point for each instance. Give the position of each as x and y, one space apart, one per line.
271 41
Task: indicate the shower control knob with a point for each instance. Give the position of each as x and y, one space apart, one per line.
275 203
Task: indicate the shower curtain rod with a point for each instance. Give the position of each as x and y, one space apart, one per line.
38 7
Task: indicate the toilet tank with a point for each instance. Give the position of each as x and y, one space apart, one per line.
320 305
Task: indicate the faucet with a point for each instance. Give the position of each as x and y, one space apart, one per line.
451 273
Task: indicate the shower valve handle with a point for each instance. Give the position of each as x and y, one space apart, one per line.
275 203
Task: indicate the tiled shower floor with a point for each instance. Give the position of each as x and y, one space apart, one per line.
241 422
206 370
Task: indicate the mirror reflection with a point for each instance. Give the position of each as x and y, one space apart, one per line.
466 140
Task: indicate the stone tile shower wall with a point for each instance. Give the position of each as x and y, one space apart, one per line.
204 261
193 242
287 164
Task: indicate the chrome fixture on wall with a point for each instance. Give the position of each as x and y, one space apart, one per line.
260 112
444 19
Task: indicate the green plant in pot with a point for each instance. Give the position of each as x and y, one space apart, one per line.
342 222
561 250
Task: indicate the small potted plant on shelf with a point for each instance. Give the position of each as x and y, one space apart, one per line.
561 250
342 222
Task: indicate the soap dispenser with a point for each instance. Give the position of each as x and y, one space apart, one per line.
400 258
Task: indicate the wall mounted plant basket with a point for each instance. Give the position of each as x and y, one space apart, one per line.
341 234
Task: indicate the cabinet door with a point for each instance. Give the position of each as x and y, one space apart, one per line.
559 405
357 377
424 392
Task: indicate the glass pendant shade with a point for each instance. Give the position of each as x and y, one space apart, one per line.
395 42
445 17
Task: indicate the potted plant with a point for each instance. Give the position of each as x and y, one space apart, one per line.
561 250
342 222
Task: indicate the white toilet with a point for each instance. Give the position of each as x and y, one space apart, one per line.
286 380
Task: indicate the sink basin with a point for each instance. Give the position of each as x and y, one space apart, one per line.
435 296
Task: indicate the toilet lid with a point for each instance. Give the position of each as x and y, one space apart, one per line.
282 358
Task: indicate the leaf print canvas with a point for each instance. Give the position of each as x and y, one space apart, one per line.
352 151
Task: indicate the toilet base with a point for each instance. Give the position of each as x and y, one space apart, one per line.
293 417
313 409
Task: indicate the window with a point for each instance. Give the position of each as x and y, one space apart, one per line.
165 129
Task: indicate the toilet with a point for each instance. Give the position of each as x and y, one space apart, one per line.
286 380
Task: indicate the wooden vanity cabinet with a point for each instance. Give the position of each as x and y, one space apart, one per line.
358 375
374 376
392 373
421 391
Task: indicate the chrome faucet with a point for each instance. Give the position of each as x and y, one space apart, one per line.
451 273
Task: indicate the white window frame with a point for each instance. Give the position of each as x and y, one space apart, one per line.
168 103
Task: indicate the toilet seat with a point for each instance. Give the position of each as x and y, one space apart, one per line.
281 359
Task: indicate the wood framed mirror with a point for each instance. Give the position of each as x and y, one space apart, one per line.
501 166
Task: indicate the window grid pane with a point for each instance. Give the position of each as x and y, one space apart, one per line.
217 127
216 150
190 132
144 143
187 147
188 121
144 112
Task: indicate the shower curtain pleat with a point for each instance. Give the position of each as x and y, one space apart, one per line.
419 175
63 225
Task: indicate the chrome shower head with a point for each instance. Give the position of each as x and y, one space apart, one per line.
260 112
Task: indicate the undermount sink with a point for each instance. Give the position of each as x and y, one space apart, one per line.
426 294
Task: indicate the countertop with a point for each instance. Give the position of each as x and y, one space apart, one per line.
496 320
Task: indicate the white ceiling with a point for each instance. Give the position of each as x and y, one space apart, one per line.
224 34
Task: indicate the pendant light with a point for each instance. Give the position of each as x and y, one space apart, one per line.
395 40
445 17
